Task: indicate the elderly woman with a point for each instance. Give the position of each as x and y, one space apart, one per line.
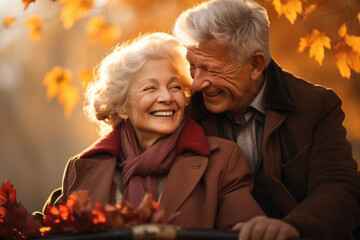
140 93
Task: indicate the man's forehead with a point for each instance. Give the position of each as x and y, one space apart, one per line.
208 48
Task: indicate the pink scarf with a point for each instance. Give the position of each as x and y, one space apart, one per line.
140 168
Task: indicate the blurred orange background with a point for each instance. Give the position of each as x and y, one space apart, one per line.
36 139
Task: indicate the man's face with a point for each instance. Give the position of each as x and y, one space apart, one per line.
225 86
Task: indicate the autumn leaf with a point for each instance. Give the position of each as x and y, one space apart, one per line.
290 8
84 76
100 30
55 79
27 3
8 21
59 83
358 16
306 12
347 53
7 191
69 97
316 41
34 23
15 221
74 10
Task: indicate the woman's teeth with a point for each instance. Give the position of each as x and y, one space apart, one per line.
163 113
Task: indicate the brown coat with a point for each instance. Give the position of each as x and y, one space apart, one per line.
211 191
308 163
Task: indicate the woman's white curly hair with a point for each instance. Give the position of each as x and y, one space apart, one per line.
108 93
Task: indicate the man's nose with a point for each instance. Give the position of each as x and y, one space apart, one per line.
200 81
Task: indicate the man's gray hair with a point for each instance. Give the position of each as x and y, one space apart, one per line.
242 26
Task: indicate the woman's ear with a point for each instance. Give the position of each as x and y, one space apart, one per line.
257 65
123 113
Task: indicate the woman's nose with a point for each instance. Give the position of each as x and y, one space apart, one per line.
200 81
165 96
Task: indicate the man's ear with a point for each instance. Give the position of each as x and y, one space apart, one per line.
123 113
257 65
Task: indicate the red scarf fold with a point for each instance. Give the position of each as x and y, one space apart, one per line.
140 168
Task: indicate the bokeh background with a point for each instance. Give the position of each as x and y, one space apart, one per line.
37 139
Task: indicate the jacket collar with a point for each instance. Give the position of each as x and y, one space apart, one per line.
277 96
191 139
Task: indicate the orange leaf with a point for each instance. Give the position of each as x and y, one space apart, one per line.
8 21
34 23
342 30
85 76
290 8
100 30
358 16
347 53
2 214
27 3
74 10
316 41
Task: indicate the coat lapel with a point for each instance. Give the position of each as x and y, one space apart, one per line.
183 177
182 180
272 149
95 175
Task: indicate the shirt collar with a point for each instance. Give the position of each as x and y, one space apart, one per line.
258 102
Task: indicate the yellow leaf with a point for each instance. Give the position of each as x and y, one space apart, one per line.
8 21
74 10
308 10
316 41
347 58
290 8
100 30
34 24
347 53
342 30
69 96
84 76
55 79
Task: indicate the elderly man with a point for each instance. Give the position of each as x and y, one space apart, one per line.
290 130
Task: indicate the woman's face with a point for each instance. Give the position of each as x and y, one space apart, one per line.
156 101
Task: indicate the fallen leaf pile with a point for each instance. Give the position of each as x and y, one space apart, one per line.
76 215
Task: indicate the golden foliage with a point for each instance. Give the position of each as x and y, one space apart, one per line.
290 8
8 21
59 83
100 30
347 53
316 41
74 10
84 76
34 24
27 3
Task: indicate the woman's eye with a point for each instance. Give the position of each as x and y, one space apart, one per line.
148 88
176 87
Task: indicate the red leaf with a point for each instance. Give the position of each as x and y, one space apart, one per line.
7 191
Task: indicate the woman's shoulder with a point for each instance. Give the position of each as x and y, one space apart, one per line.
221 141
223 147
